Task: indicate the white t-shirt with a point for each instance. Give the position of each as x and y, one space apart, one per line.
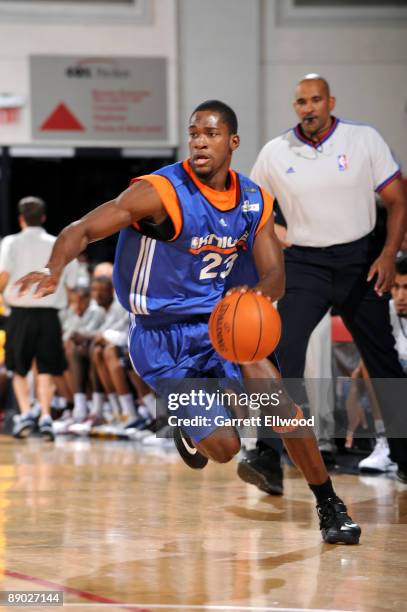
29 251
326 192
399 325
88 324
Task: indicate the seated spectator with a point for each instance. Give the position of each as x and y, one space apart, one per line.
114 370
82 359
79 325
379 459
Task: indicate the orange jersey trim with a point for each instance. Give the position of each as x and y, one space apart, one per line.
267 209
212 248
222 200
168 197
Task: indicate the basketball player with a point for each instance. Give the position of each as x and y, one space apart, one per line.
183 228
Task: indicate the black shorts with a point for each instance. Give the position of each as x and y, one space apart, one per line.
34 333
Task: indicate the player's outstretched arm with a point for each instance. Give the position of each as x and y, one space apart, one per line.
268 257
138 201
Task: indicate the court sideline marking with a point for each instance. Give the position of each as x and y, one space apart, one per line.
106 602
97 599
215 608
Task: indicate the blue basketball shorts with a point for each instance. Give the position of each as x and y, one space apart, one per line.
165 353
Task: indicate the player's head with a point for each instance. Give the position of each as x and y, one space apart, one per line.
79 299
31 211
399 289
212 137
102 291
313 103
105 268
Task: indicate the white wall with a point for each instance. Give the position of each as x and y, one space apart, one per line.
366 65
238 51
21 38
220 58
235 50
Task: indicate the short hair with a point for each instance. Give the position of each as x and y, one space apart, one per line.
226 112
401 264
32 209
82 290
105 280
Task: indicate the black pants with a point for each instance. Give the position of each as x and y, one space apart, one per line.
318 278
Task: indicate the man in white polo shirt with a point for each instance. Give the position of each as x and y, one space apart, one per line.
324 173
33 332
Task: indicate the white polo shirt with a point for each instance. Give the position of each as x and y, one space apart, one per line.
326 192
399 325
29 251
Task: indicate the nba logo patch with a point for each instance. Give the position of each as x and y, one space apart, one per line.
342 162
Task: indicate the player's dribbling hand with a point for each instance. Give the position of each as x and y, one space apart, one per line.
45 282
245 289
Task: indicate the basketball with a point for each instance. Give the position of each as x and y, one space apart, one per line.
244 327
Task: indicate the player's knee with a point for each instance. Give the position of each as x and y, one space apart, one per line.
225 450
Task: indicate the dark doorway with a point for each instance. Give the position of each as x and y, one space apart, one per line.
71 187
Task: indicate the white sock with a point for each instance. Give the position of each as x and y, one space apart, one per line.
97 404
379 427
148 401
127 405
80 407
143 412
35 410
114 402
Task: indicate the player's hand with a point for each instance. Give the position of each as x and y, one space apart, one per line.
46 283
99 339
239 289
245 289
79 338
384 267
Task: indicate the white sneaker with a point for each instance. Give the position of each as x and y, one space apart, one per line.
379 459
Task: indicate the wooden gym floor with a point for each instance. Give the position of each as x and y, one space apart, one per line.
116 527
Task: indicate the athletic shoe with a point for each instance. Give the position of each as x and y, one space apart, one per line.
46 429
335 524
62 425
263 470
139 422
189 454
23 425
378 460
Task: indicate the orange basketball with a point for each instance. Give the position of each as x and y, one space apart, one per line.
244 327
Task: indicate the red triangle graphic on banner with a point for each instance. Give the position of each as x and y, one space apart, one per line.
62 119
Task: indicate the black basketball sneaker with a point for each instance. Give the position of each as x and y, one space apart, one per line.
335 524
190 455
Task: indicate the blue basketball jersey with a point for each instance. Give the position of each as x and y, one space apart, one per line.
189 275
